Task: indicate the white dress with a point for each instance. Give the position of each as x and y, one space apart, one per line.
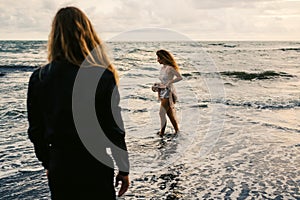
167 74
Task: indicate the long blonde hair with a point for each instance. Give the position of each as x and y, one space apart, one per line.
73 38
167 58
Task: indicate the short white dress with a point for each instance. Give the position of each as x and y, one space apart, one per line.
167 73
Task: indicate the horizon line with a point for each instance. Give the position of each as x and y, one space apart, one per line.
196 40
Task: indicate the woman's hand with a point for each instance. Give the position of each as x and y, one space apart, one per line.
124 184
168 84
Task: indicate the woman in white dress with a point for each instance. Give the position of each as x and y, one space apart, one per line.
169 74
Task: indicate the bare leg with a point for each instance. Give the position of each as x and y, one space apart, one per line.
164 106
172 116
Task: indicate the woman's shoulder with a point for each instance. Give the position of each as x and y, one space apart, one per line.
38 73
170 68
107 77
107 73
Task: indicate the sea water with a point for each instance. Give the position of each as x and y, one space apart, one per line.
238 110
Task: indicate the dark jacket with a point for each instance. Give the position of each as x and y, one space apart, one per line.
51 125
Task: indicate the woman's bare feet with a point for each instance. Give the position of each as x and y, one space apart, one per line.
160 133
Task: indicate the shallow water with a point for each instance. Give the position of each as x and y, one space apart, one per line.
239 138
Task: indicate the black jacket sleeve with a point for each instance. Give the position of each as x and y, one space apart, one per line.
107 105
35 119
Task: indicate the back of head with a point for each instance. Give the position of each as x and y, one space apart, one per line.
167 58
74 39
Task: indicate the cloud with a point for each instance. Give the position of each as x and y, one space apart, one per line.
198 19
23 17
218 19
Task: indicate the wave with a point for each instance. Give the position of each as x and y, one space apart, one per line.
19 67
137 97
192 75
134 110
230 45
140 110
199 106
290 49
251 76
223 44
186 74
136 75
216 44
30 170
150 69
266 106
127 59
243 75
137 50
14 114
281 127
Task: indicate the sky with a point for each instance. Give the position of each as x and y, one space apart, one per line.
193 19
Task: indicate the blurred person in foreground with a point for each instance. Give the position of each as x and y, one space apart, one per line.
72 171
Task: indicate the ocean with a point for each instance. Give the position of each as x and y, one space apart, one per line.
238 110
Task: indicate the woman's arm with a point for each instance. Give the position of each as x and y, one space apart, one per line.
110 119
177 75
35 119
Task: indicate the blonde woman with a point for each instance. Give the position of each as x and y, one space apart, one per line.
73 173
169 74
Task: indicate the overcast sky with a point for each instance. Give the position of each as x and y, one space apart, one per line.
196 19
